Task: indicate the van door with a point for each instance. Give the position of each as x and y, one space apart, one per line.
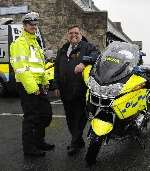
4 58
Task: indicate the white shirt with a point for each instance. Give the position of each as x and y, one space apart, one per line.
70 49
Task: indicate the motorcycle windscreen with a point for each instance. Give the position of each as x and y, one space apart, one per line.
130 103
101 127
116 63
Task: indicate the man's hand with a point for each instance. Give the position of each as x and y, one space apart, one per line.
37 92
79 68
57 92
45 89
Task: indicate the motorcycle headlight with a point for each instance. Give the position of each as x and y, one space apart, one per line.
110 91
94 86
114 89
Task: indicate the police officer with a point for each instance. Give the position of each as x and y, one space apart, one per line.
70 85
28 62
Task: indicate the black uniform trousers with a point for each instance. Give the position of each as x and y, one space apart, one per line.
76 118
37 116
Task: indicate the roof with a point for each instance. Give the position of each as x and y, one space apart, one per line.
84 5
112 27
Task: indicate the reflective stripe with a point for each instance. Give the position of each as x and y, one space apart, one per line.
33 55
17 59
26 58
34 70
20 58
20 70
35 60
37 70
32 52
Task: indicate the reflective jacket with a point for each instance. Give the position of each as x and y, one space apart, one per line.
28 62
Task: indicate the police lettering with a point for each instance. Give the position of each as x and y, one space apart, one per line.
131 104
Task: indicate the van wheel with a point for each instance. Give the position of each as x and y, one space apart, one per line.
2 88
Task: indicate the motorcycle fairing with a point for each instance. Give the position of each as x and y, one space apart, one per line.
101 127
49 69
86 73
133 100
132 83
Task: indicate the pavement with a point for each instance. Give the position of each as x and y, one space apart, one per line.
116 156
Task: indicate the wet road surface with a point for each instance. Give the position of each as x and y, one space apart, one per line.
117 156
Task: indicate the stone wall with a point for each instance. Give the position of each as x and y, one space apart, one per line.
57 15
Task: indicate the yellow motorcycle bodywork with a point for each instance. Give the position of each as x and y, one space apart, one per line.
86 73
50 70
133 100
101 127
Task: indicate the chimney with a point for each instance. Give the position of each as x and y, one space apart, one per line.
88 3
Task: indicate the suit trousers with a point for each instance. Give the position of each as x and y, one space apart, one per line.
76 118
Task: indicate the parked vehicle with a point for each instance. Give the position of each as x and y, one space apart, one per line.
118 101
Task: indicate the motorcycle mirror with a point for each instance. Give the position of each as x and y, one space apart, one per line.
142 53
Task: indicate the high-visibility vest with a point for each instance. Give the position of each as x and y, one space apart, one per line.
28 62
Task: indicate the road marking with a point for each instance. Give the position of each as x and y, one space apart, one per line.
56 102
20 114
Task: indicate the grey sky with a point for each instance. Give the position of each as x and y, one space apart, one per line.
134 17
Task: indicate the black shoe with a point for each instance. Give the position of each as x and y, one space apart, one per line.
46 147
73 150
81 145
90 162
68 147
34 152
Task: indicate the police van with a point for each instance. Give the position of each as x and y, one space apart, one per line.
8 33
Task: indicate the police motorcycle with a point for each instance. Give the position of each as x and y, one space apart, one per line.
118 97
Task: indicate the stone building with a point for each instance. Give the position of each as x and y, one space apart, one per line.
57 15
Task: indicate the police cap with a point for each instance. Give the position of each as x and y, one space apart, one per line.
31 18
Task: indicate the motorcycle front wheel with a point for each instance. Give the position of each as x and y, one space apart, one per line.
93 150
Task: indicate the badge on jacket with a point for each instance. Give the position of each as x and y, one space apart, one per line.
75 56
